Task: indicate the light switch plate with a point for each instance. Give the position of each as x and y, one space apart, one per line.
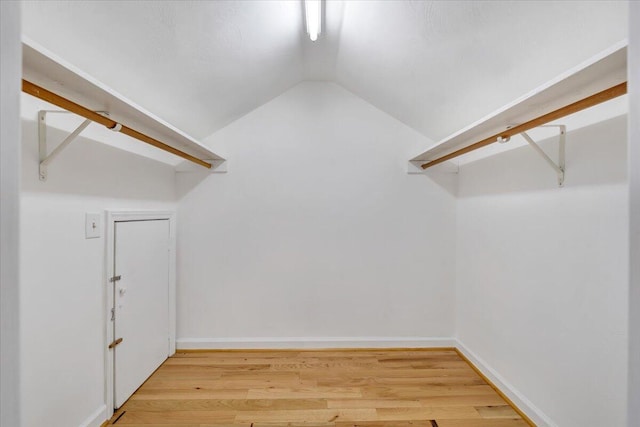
92 225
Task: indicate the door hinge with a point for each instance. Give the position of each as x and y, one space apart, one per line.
115 343
115 279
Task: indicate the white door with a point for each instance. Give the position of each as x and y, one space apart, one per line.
141 299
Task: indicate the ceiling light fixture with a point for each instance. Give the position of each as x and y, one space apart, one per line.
313 15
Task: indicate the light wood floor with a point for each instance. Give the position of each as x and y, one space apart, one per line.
364 388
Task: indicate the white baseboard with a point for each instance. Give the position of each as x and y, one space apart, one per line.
312 342
536 415
97 418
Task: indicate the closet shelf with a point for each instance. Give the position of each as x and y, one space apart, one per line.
597 80
52 79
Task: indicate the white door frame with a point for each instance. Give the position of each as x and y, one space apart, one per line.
112 218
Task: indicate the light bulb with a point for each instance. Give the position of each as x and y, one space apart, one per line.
313 15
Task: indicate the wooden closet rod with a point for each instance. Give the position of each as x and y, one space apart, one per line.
598 98
52 98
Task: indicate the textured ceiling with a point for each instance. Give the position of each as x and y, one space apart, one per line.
197 64
436 66
439 66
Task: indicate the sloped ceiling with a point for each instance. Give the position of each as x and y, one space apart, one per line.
439 66
434 65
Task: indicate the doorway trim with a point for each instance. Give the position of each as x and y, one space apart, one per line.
113 216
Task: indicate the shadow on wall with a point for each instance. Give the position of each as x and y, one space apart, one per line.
443 177
91 168
187 181
595 155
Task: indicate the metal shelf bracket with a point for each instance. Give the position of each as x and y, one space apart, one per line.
559 167
45 157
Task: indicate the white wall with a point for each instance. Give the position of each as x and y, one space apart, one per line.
62 274
317 232
542 274
10 72
634 180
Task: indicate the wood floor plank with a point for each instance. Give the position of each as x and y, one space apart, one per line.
386 424
433 401
419 391
372 403
312 415
305 393
173 417
483 423
294 424
497 411
427 413
382 372
225 404
188 394
317 388
488 399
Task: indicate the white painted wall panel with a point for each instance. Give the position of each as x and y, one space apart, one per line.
634 180
10 71
317 231
542 274
63 310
